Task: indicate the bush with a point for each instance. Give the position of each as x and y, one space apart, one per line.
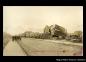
6 38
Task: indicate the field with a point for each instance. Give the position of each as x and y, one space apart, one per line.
40 47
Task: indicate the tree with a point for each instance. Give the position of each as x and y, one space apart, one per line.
57 31
78 33
47 30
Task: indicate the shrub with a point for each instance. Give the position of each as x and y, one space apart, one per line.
6 38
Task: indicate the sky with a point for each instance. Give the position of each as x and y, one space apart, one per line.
18 19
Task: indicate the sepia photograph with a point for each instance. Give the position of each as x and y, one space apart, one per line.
42 30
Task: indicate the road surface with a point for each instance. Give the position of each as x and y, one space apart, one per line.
40 47
13 49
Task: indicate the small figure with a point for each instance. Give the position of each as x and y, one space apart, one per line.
15 38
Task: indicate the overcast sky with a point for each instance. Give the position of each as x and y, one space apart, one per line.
18 19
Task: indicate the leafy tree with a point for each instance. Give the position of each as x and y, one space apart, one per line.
47 30
57 30
78 33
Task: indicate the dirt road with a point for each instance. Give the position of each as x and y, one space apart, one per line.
40 47
13 49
